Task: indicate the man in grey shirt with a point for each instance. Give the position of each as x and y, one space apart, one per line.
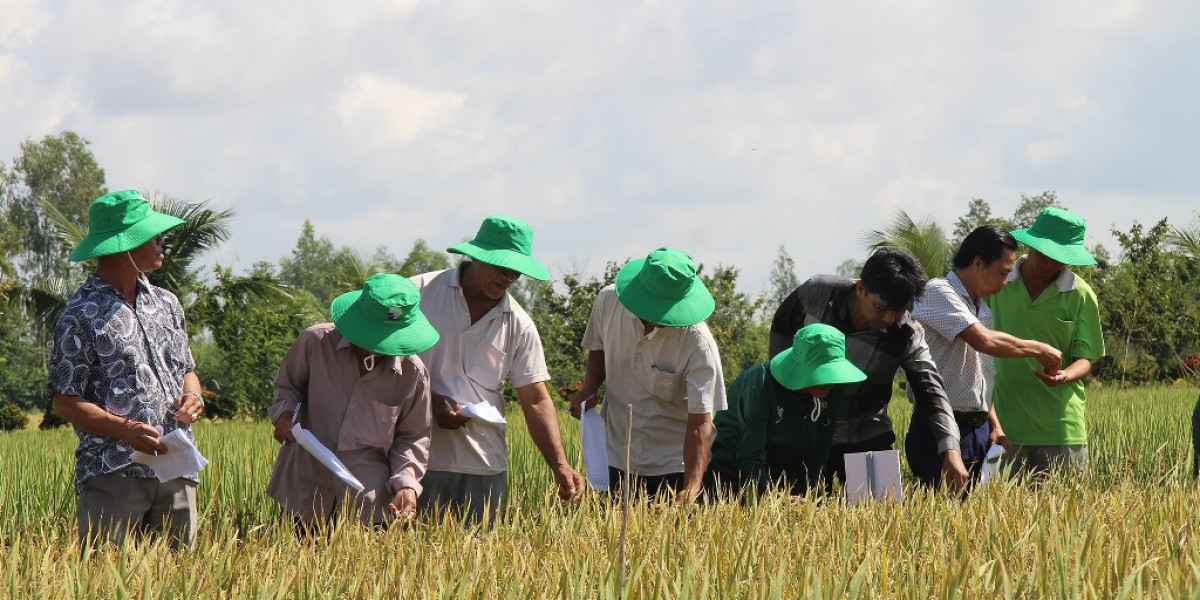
881 337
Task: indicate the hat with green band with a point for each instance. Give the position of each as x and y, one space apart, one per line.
505 242
1058 234
119 222
384 317
817 357
664 289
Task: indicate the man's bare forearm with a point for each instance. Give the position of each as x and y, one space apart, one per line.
542 420
696 444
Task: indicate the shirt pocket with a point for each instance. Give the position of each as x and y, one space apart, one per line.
486 367
1059 332
664 384
380 423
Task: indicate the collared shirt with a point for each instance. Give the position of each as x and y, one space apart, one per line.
128 360
1065 315
862 407
377 424
946 310
768 435
469 364
665 375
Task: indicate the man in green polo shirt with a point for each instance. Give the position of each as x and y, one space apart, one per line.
1045 301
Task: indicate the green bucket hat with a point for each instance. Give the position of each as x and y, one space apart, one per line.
1058 234
663 288
384 317
119 222
505 242
817 357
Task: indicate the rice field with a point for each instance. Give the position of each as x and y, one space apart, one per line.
1127 530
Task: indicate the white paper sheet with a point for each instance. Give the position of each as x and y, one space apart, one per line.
991 465
309 442
181 458
595 450
873 475
485 411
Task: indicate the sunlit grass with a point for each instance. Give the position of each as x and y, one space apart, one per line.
1128 528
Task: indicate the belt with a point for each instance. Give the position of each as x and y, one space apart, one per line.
971 419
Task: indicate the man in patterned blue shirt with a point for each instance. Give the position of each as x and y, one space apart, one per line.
121 372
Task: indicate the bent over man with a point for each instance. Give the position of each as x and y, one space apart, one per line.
647 339
881 338
777 429
357 385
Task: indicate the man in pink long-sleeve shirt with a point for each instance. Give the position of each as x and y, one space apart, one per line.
365 395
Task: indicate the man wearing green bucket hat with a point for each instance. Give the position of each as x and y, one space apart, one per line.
647 339
486 337
1045 301
121 371
776 431
358 386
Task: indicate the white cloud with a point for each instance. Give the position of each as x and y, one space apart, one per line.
725 128
386 112
21 21
1042 152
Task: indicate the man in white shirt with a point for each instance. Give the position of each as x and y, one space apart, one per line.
647 339
485 337
958 328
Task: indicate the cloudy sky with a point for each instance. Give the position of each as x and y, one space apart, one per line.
722 128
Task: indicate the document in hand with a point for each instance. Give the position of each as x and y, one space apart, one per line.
325 456
595 450
484 410
181 458
991 464
873 475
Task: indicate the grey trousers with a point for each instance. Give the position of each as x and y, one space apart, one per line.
110 506
1046 460
471 496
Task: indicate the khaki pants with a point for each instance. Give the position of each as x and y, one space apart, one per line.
112 505
1048 460
473 497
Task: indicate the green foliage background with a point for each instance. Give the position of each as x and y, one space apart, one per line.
242 324
1125 530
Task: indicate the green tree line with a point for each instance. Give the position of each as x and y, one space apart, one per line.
242 323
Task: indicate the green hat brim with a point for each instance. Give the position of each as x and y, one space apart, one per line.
696 305
102 244
380 337
794 375
521 263
1067 254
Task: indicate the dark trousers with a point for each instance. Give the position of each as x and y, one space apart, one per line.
648 485
920 447
835 465
1196 440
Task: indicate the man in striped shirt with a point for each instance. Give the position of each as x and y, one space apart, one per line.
958 328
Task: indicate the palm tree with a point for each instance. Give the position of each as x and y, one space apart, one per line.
202 230
925 240
1186 239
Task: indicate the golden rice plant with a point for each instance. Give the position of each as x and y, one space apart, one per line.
1126 530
